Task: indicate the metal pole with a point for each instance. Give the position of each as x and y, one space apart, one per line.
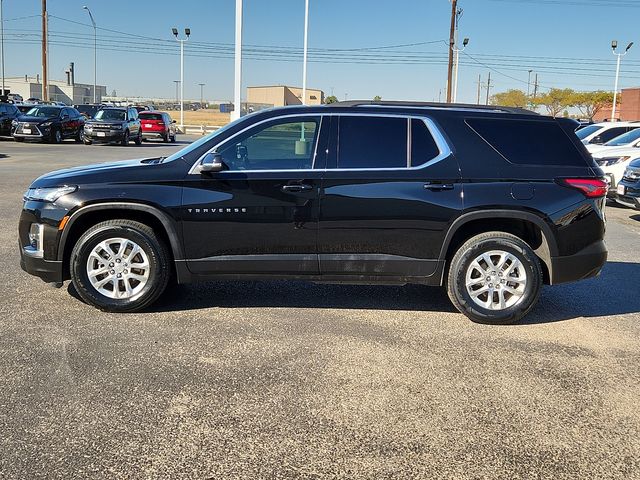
238 64
45 92
479 87
615 90
304 55
201 94
455 75
488 87
177 82
182 84
95 61
529 83
2 44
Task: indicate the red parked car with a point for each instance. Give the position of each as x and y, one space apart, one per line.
158 125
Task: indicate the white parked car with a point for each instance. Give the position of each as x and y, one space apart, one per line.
629 139
614 162
600 133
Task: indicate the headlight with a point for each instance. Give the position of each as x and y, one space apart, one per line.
46 124
49 194
116 127
14 123
88 126
632 174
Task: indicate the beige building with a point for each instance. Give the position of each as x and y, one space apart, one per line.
67 91
281 95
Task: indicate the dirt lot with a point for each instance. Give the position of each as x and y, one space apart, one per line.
201 117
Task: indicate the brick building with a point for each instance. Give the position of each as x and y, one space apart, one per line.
628 109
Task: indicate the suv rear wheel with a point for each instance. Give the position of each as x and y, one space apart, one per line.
120 266
125 138
494 278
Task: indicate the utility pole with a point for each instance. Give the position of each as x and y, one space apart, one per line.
201 95
452 41
535 88
529 83
488 87
45 34
479 88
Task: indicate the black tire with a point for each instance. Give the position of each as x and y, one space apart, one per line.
86 141
125 139
56 135
471 250
78 137
157 253
165 138
139 138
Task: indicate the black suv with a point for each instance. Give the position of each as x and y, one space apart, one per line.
491 202
113 124
8 113
49 123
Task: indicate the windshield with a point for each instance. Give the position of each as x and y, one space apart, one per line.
44 112
625 138
117 115
198 143
586 131
90 109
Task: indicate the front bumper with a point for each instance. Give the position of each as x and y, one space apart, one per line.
49 271
36 132
586 263
631 197
109 135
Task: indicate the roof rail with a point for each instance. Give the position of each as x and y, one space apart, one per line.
453 106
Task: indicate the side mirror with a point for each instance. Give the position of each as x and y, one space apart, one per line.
212 163
173 121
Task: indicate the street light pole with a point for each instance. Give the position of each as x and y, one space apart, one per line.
614 46
2 44
201 95
235 114
95 53
187 32
304 59
177 82
465 42
529 83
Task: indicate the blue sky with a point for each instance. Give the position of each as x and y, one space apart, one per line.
565 41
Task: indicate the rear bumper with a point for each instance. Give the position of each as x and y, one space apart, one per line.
154 133
586 263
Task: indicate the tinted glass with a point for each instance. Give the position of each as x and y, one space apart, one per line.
284 145
108 114
625 138
528 141
588 130
611 133
150 116
45 112
423 146
372 142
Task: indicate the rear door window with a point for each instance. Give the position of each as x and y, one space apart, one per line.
423 146
528 142
372 142
612 133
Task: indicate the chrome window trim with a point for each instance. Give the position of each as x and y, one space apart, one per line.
441 143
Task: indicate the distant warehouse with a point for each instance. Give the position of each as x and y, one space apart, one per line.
281 95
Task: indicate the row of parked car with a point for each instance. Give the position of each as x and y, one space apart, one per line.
615 147
85 123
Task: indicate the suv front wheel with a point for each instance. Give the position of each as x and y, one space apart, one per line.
120 266
494 278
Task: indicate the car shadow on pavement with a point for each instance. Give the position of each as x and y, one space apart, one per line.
614 292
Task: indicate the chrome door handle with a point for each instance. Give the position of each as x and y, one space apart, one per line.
438 186
296 188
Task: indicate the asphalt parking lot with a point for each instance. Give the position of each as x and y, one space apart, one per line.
296 380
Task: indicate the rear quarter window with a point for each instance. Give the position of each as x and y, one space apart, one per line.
528 142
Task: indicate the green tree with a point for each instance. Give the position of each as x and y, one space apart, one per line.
510 98
377 98
331 99
555 100
590 103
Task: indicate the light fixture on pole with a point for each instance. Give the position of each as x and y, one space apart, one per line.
95 52
457 51
187 32
235 114
614 46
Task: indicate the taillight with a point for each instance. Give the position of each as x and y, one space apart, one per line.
590 187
